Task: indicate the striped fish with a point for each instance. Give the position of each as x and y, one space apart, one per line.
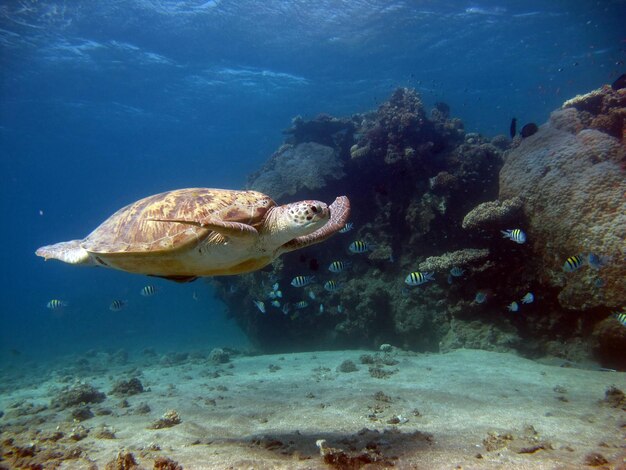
573 263
56 304
515 235
359 246
332 286
620 317
302 304
339 266
418 278
301 281
346 228
148 291
117 305
456 271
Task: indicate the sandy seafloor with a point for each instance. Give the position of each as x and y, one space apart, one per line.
466 409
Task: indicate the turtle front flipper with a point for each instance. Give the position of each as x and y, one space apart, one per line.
226 229
69 252
339 213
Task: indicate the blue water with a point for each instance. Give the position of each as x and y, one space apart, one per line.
104 102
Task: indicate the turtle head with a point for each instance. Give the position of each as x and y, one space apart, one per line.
293 220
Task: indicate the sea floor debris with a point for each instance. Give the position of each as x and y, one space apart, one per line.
465 408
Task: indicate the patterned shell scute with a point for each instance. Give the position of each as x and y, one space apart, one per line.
130 229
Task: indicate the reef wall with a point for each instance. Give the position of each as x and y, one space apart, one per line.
427 196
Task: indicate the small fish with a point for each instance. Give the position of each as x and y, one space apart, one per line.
117 305
275 303
529 298
457 272
285 308
321 308
148 291
339 308
515 235
339 266
418 278
232 288
513 307
359 246
528 130
573 263
194 296
56 304
597 262
332 286
279 294
302 304
275 287
346 228
481 297
599 282
311 295
620 317
301 281
260 305
271 294
513 128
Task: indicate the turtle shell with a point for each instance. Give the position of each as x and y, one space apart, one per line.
133 229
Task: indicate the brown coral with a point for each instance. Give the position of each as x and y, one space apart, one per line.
573 187
458 258
492 213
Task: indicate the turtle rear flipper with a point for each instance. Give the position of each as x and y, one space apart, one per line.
69 252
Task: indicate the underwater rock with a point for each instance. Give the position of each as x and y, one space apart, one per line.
124 461
451 259
81 413
607 341
127 388
164 463
573 185
77 395
218 356
479 335
170 418
305 167
347 366
492 214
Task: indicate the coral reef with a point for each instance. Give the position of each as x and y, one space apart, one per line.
603 109
427 196
572 181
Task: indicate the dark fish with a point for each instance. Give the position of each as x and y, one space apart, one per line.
513 128
443 108
529 129
620 82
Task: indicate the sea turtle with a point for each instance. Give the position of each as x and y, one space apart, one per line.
187 233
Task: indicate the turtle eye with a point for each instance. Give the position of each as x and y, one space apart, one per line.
314 209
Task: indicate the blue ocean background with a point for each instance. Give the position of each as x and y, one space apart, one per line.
105 102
